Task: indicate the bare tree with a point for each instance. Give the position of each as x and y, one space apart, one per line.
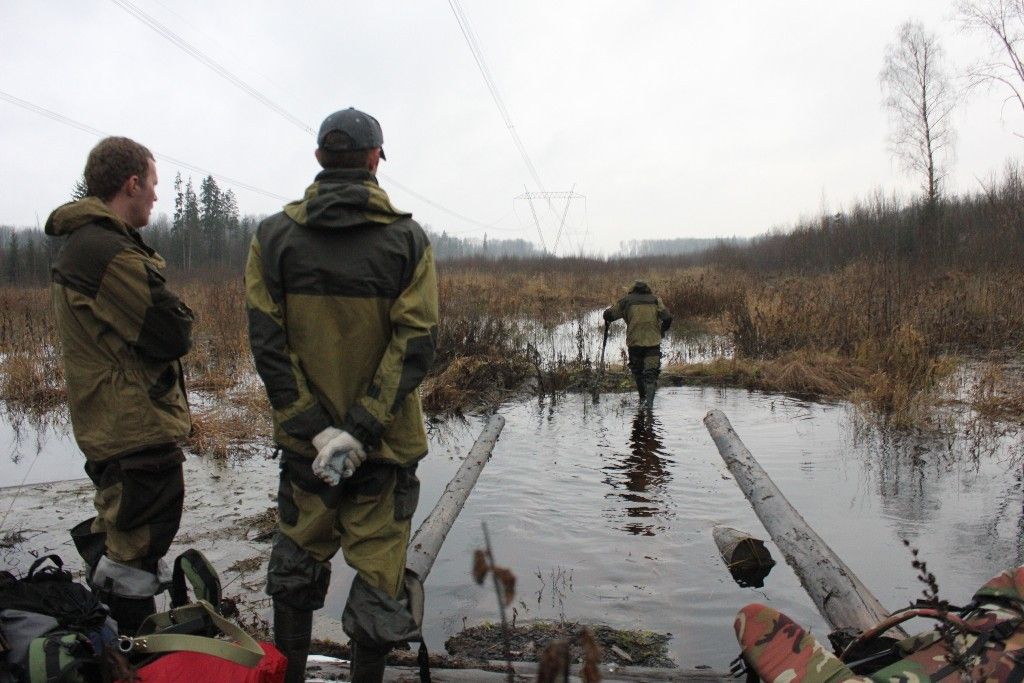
920 100
1002 23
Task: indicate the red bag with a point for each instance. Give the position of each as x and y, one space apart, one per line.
196 667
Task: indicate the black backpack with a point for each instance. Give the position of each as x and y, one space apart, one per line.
49 620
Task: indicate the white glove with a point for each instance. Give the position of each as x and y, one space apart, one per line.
338 454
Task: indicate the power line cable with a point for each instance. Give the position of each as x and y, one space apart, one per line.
432 203
211 39
225 73
209 62
478 57
60 118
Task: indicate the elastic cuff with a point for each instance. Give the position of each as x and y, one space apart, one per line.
127 582
364 426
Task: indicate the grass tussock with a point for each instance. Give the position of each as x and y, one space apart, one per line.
998 394
223 430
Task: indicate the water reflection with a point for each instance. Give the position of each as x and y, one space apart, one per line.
641 477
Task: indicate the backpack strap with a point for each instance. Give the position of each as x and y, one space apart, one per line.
201 575
47 573
244 651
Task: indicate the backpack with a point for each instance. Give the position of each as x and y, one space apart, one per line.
53 629
68 620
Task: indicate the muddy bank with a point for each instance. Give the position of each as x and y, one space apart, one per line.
230 515
527 642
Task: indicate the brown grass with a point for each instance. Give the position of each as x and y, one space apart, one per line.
873 333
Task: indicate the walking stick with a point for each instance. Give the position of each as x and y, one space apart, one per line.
600 375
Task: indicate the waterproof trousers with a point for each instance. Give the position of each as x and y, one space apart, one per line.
368 517
645 364
138 503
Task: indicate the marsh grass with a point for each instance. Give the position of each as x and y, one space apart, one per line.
872 332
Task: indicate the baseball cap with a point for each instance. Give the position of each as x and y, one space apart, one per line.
362 128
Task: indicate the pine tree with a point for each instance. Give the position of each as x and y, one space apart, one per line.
80 190
190 225
13 256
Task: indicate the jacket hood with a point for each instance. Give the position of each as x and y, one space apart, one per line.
640 287
343 198
69 217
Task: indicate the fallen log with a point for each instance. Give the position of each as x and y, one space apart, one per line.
745 557
840 597
426 543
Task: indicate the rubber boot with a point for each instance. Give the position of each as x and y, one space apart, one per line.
649 389
293 629
639 386
129 613
368 663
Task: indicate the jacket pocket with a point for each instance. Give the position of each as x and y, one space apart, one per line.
164 383
407 493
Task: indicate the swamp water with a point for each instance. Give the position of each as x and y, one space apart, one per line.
606 516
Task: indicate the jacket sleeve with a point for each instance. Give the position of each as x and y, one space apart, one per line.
296 410
664 316
406 360
134 300
615 312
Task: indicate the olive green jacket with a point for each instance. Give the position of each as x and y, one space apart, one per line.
342 302
646 317
121 333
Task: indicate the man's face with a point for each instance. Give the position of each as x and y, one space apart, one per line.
143 197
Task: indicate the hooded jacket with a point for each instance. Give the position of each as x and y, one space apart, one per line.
342 302
121 332
646 317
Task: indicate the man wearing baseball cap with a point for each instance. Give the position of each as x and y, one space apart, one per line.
342 303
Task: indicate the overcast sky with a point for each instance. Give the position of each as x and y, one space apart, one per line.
671 119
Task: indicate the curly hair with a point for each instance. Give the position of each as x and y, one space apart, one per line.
113 161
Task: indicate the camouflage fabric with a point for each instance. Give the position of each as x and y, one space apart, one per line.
988 647
138 504
646 317
121 332
645 363
369 518
778 649
341 295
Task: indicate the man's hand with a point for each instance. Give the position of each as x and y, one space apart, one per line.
338 454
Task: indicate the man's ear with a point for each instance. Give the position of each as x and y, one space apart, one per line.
130 185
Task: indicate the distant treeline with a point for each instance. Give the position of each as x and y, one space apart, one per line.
672 247
984 231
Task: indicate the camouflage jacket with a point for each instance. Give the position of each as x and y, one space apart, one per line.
646 317
342 302
121 333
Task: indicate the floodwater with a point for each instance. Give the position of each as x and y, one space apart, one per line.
605 515
582 338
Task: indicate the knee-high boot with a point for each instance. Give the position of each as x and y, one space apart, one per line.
129 613
650 387
368 662
293 629
640 388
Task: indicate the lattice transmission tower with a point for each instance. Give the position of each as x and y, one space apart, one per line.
554 214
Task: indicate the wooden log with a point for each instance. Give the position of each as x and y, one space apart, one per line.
746 557
834 589
330 669
426 543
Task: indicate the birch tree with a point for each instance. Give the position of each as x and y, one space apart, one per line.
1002 24
920 100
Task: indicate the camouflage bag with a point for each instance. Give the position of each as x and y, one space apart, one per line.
983 641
